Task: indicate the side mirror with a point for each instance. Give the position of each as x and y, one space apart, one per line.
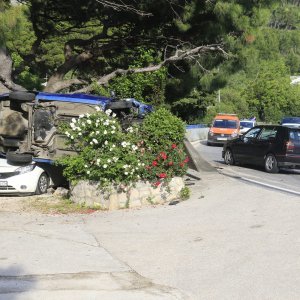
241 127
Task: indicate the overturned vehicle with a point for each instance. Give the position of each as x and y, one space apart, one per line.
30 139
29 121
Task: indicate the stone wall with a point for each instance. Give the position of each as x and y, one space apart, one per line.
143 194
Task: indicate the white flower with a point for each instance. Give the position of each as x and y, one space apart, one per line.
104 166
124 144
73 120
89 121
95 141
85 166
67 133
108 112
97 132
106 142
104 132
106 123
98 108
88 172
73 126
81 116
113 132
115 159
126 173
109 160
125 167
129 129
83 124
98 161
91 143
79 133
72 137
113 127
114 115
87 114
114 146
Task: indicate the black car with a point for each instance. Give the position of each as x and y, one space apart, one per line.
271 146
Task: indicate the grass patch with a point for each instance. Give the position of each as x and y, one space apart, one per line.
58 206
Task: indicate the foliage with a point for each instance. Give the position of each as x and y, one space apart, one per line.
104 152
161 129
185 193
111 156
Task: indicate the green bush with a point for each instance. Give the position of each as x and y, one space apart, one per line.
153 152
161 129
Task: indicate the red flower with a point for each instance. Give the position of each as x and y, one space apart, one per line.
186 160
162 175
173 146
181 165
157 183
170 163
148 167
154 163
163 155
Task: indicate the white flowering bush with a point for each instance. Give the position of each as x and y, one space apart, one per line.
105 153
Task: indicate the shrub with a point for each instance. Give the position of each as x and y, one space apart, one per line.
161 129
153 152
104 152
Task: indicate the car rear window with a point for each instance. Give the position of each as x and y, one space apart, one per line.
221 123
294 135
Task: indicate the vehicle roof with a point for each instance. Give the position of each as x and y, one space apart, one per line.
227 116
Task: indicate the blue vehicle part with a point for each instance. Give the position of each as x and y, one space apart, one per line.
75 98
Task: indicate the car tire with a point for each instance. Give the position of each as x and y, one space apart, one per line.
18 158
228 157
42 184
271 165
209 144
21 96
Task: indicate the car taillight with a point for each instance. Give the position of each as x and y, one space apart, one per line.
289 146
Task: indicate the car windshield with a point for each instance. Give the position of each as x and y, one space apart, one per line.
247 124
221 123
291 120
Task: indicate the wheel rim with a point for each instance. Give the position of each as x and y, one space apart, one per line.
228 157
43 183
270 162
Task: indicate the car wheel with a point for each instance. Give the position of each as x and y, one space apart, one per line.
209 144
43 184
21 96
18 158
271 164
228 157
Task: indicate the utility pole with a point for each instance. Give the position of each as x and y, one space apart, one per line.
219 96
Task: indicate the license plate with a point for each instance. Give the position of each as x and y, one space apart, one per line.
222 139
3 183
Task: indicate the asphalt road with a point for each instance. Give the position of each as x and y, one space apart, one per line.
286 180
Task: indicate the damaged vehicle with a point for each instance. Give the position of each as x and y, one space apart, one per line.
29 124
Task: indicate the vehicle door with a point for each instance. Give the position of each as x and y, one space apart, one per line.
244 144
264 143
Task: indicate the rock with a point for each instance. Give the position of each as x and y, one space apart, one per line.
114 202
61 192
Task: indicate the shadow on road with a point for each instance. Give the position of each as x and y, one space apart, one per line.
13 282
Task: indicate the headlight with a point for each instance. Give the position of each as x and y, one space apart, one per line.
25 169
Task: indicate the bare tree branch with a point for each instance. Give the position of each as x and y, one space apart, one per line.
121 6
191 54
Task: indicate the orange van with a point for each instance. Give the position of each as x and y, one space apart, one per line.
224 127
